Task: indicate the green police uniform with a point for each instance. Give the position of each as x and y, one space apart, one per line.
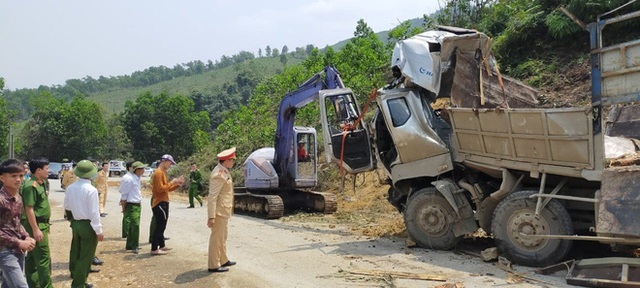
195 178
38 261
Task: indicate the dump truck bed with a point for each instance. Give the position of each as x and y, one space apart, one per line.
557 141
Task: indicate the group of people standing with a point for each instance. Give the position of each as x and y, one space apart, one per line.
220 205
25 212
25 258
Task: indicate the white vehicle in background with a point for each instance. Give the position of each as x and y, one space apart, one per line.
117 168
147 172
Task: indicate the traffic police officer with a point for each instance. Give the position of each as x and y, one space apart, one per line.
220 208
103 187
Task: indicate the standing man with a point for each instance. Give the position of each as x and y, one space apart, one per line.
130 200
102 185
220 208
195 182
125 220
161 187
82 200
14 240
35 219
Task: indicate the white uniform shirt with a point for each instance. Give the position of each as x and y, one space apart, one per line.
130 188
81 199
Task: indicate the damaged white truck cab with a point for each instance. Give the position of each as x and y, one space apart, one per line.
533 178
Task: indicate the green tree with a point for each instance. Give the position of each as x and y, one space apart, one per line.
283 59
117 144
58 129
159 124
361 60
268 51
285 49
403 31
309 48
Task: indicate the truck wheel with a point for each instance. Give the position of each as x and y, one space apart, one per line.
515 215
429 219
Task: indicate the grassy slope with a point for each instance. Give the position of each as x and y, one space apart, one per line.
114 100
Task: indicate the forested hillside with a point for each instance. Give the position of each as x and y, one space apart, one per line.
233 102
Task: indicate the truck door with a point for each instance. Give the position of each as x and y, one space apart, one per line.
343 142
412 125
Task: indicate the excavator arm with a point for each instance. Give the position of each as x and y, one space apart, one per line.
306 93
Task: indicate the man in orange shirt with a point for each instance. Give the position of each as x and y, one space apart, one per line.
161 187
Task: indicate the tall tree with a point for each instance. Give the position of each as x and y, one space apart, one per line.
285 49
117 144
268 51
60 130
159 124
309 48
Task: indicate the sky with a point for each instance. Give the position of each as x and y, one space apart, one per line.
45 42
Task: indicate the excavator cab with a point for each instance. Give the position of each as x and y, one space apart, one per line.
346 141
304 172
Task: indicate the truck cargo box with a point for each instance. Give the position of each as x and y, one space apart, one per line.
556 141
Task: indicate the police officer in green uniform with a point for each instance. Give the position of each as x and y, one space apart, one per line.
195 182
35 219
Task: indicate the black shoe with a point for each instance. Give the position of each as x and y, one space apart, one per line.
166 238
219 269
94 270
97 261
88 285
229 263
103 214
200 204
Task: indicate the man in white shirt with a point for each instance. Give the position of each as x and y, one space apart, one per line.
130 199
81 199
125 221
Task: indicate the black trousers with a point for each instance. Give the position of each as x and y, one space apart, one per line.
161 212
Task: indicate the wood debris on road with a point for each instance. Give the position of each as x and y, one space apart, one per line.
406 275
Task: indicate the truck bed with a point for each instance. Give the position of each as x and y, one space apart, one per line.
557 141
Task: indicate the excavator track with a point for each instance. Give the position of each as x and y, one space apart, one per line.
326 203
260 205
271 204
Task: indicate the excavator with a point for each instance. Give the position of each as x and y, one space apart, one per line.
280 178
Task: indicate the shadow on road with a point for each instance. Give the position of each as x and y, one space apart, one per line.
193 275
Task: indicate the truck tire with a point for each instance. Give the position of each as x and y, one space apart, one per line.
516 214
429 219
